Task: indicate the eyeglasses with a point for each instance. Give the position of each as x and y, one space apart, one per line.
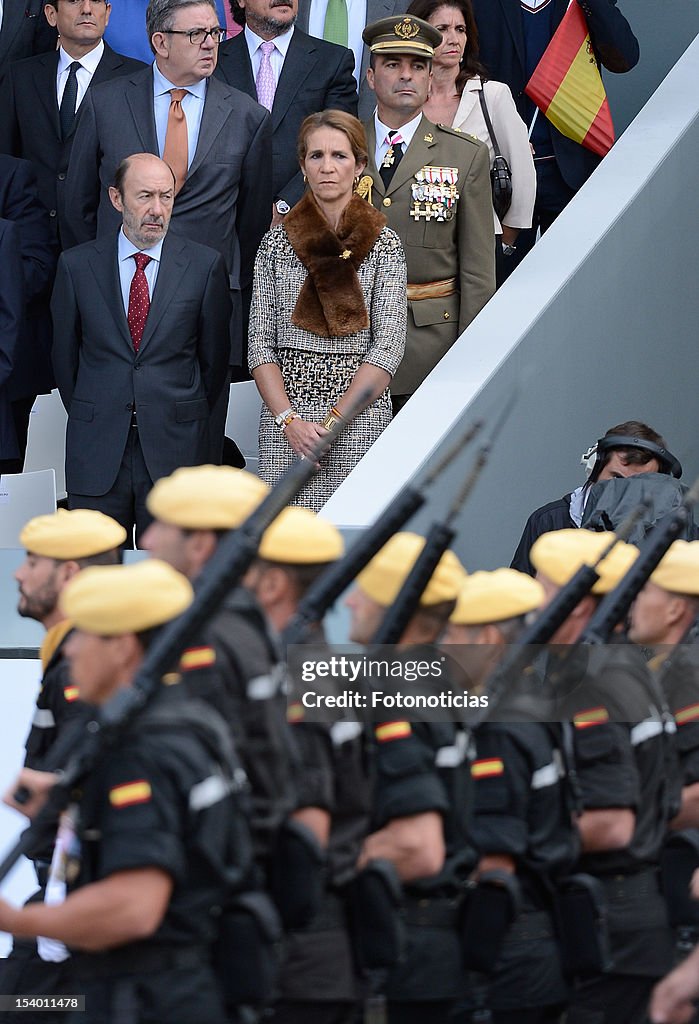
196 35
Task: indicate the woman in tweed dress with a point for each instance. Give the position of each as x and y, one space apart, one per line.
328 316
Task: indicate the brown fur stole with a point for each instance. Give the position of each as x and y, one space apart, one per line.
330 302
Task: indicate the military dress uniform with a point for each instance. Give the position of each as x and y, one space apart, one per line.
319 980
624 752
523 808
421 767
439 203
237 669
167 799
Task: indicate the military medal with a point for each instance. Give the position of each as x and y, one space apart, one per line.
389 158
434 193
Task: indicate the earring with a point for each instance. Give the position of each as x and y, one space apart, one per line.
356 180
305 179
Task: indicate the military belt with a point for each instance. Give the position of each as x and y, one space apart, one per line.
432 289
139 959
429 912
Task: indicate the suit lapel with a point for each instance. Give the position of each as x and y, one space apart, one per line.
299 62
110 62
173 264
12 17
238 69
217 109
105 270
469 99
512 14
139 96
416 155
44 81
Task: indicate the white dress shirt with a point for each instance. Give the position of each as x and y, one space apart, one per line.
276 57
192 105
382 130
356 23
127 266
88 66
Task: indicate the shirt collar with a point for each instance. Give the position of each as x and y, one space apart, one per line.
89 60
407 131
161 85
126 248
281 42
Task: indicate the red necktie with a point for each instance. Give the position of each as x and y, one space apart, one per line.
139 300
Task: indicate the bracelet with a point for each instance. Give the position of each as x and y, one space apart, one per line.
284 418
332 417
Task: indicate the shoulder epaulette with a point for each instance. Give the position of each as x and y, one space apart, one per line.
466 136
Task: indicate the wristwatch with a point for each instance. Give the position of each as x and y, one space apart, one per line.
282 207
508 250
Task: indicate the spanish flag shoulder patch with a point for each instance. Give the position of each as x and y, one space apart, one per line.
295 712
392 731
688 714
591 716
487 767
136 792
197 657
71 693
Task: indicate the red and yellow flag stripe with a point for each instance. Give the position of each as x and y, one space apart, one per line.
567 85
136 792
592 716
486 767
392 731
688 714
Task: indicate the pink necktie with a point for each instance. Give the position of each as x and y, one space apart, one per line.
265 83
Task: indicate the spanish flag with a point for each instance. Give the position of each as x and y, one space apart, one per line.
567 86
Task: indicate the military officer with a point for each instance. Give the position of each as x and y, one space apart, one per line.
235 665
422 791
433 185
157 836
523 803
624 757
318 983
58 547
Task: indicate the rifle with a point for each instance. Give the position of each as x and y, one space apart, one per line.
438 539
614 606
525 649
233 557
326 590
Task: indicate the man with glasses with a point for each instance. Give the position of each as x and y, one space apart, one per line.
216 140
41 96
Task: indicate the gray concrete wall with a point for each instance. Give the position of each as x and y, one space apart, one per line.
664 29
598 325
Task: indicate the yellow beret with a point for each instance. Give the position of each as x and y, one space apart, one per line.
79 533
495 596
559 555
299 537
386 573
678 570
109 600
206 497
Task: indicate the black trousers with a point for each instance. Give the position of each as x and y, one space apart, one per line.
436 1012
126 500
21 409
293 1012
552 196
611 999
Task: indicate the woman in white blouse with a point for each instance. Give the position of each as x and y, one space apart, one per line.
457 80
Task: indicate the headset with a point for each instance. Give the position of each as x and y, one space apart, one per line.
668 462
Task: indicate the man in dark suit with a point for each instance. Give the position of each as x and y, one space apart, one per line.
24 31
219 139
40 96
513 35
140 348
31 372
11 316
312 18
307 75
